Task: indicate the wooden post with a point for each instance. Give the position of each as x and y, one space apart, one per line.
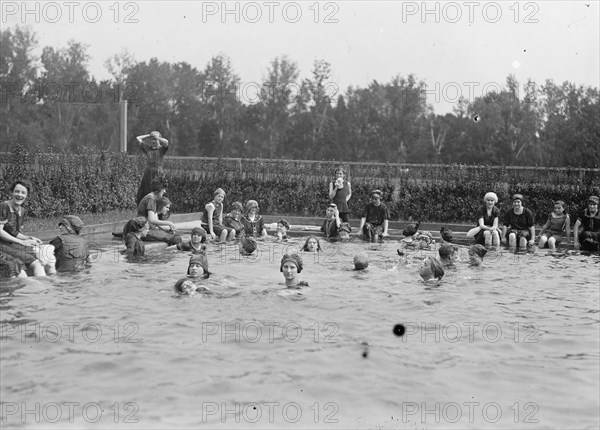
123 125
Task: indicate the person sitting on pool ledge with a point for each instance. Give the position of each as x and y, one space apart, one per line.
589 221
519 222
375 218
233 219
291 266
157 229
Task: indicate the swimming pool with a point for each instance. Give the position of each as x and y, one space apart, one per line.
514 344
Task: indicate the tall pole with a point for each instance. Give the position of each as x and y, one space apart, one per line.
123 125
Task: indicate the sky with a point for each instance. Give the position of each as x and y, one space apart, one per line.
462 48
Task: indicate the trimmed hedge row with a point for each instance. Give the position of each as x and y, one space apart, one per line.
91 181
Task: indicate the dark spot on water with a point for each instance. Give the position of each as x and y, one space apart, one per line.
476 118
399 330
365 354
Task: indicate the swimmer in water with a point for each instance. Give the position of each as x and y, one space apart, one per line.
448 255
361 261
195 244
476 254
312 244
248 245
432 270
198 266
291 266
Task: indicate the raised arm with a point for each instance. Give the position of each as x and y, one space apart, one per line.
332 190
568 228
349 192
576 234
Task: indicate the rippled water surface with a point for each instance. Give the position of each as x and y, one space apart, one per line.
513 344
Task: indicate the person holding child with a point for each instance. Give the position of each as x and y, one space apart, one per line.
375 218
212 218
340 192
70 249
589 222
487 231
558 222
254 224
519 228
155 148
12 240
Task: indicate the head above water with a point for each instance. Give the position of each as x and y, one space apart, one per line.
361 261
432 269
198 266
291 258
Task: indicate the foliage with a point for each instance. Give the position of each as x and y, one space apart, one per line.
91 181
49 103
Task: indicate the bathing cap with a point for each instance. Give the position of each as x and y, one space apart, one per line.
284 223
447 234
157 184
199 258
199 231
251 204
490 195
294 258
518 197
219 191
72 223
238 206
361 261
411 229
378 192
478 250
137 223
594 199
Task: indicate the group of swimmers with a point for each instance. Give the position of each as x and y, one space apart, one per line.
21 254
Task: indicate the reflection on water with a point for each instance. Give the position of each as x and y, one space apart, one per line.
497 346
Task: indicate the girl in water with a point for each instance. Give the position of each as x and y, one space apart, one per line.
291 266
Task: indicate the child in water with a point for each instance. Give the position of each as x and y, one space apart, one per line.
134 231
195 244
312 244
447 255
197 270
291 266
248 245
552 231
476 254
282 228
432 270
70 248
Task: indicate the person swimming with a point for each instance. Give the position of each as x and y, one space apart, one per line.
291 266
432 270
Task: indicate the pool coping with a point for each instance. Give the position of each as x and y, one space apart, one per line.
300 226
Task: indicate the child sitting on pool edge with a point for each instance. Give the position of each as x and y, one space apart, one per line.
291 266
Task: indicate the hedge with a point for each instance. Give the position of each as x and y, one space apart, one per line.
91 181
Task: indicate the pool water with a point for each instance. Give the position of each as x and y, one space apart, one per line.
514 344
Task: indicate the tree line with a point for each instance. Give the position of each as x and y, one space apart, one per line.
51 102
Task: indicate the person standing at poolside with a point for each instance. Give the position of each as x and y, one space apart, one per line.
212 218
254 224
159 230
518 228
12 240
589 221
340 192
155 148
375 218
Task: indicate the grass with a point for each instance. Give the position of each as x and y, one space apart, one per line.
33 225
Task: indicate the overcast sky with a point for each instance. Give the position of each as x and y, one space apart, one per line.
455 47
